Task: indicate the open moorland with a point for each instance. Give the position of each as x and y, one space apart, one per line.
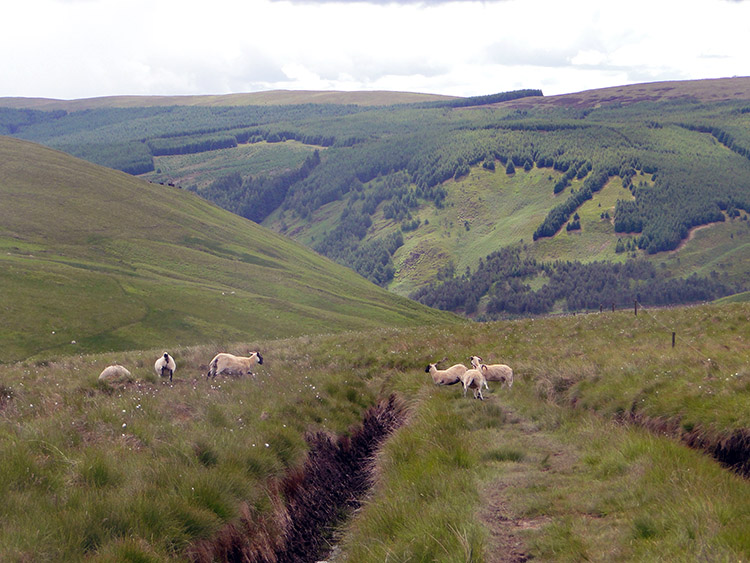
610 445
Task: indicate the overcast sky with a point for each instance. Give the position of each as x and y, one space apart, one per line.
86 48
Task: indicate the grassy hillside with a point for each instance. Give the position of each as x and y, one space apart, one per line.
586 457
96 260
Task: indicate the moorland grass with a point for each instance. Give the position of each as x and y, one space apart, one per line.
553 457
97 470
94 468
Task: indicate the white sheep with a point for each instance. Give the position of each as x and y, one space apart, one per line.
473 379
165 365
494 372
233 365
114 372
448 376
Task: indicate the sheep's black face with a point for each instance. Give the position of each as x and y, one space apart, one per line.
260 358
427 369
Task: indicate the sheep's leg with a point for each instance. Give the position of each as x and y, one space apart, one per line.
170 375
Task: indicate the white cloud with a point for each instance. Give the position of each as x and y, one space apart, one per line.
84 48
589 57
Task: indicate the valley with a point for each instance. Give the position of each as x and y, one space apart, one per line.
299 224
402 189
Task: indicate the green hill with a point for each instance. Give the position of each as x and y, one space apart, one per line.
415 194
92 259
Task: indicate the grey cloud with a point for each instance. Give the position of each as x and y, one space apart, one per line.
510 53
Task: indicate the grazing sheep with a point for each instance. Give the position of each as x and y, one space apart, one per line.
233 365
494 372
473 379
448 376
165 365
114 372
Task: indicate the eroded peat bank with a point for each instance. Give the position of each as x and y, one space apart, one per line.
309 500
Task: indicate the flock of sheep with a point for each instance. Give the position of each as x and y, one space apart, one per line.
474 378
222 364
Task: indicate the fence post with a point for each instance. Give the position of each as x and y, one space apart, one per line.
635 307
673 334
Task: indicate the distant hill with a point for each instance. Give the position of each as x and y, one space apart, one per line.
267 98
92 259
416 195
709 90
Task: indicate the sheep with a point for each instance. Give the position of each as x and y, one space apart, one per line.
473 379
448 376
233 365
165 364
494 372
114 372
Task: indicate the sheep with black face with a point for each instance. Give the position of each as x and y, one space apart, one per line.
164 366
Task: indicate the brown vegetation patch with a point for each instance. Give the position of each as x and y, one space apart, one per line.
709 90
310 499
6 396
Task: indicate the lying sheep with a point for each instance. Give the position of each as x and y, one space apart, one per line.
233 365
114 372
448 376
494 372
473 379
165 365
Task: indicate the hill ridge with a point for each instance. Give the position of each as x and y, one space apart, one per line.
269 97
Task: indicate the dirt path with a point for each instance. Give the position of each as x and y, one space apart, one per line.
544 460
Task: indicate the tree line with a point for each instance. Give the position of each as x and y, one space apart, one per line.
502 282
